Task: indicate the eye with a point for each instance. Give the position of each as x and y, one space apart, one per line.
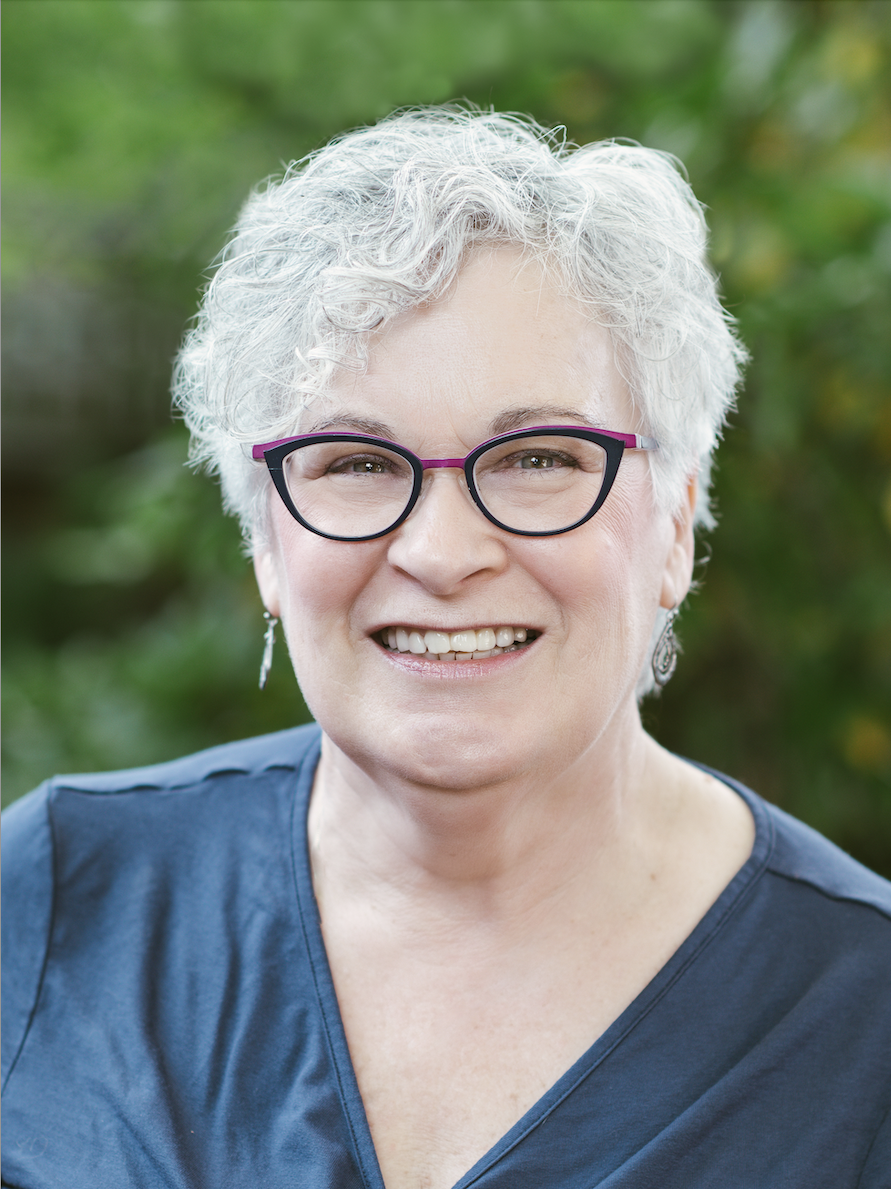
369 464
539 460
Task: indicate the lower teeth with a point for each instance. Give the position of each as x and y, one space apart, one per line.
460 656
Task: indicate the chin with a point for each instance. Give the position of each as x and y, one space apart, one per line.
440 752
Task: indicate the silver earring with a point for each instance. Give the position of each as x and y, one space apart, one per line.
268 645
665 654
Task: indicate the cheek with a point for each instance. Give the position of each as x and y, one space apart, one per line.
640 535
320 580
606 579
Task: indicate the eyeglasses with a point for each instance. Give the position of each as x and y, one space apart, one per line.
535 482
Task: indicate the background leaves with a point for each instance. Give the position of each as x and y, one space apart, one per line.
134 129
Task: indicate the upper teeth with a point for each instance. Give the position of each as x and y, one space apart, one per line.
464 645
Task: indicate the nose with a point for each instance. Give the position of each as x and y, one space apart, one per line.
446 539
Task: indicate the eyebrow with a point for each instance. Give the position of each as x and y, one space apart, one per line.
375 429
509 420
517 417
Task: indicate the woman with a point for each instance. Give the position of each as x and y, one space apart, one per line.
462 386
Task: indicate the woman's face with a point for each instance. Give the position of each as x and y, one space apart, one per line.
503 350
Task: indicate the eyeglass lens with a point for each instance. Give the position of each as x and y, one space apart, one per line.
539 484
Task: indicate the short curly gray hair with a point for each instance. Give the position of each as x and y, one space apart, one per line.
382 219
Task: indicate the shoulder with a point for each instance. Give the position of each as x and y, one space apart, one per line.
80 845
283 749
802 862
121 815
68 811
799 855
802 855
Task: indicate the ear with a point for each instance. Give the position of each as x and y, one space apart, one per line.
267 578
679 562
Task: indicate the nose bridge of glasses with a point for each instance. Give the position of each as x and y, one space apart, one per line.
431 464
430 483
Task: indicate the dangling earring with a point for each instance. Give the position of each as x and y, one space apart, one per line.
268 645
665 654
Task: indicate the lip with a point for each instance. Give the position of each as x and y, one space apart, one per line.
426 664
454 670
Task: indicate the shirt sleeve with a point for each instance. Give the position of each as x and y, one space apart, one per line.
27 866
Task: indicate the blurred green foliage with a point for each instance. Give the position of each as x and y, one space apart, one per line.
134 128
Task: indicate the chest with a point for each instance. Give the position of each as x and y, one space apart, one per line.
451 1049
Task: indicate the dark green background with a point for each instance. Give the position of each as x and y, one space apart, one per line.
133 130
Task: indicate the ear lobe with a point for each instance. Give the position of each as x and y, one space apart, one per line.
679 562
267 579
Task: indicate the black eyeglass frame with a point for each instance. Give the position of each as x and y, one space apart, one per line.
613 443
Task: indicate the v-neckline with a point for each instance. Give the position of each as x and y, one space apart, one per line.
659 986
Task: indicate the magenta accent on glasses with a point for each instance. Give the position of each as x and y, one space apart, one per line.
631 441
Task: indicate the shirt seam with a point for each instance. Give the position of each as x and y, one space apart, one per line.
837 897
632 1025
320 999
174 787
874 1141
730 911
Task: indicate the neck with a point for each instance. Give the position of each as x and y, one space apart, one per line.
497 849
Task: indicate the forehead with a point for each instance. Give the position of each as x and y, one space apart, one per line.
504 339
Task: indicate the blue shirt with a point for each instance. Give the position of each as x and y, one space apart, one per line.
170 1019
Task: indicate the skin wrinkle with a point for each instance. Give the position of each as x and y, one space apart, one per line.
409 878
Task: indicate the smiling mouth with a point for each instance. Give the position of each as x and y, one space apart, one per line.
470 644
